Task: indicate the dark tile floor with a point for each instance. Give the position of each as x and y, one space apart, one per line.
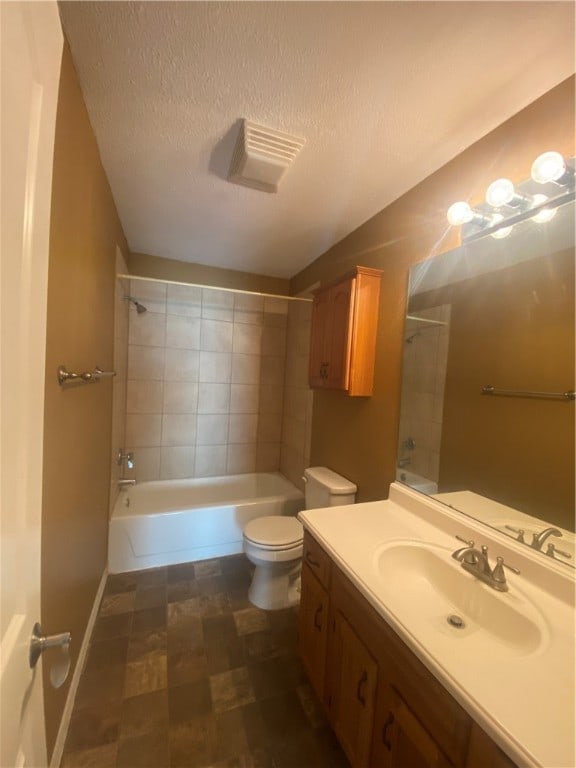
183 671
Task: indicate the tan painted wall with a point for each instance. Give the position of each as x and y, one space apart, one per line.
146 265
85 230
357 437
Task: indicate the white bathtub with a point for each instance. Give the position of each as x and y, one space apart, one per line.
163 522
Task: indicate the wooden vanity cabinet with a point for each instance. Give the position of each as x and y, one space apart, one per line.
400 739
385 707
343 334
350 689
313 629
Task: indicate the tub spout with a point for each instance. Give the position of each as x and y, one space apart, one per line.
126 483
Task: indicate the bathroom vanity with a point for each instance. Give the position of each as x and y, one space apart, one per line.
417 662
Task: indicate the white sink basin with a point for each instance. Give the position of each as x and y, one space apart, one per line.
424 586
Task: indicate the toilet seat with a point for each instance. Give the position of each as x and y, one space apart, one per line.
274 532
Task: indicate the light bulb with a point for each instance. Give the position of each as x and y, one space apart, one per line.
459 213
550 166
500 234
499 193
545 214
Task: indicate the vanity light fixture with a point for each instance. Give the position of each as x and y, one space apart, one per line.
501 192
503 232
551 167
515 204
461 213
544 214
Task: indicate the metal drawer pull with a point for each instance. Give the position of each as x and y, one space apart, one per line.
310 559
385 727
317 615
360 688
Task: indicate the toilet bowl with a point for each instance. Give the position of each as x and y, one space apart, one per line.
274 543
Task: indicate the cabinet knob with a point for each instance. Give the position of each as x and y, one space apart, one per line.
386 740
360 688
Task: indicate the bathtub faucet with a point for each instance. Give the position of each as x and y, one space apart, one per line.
127 457
126 483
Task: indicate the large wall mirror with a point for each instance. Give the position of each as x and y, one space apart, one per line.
485 425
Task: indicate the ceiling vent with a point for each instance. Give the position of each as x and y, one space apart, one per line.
262 156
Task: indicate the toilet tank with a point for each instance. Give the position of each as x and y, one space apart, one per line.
324 488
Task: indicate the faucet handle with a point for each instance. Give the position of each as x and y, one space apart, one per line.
498 577
500 563
519 531
552 550
466 541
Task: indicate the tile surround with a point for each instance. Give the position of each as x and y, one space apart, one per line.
211 383
424 372
191 674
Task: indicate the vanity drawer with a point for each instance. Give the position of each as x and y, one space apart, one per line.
316 559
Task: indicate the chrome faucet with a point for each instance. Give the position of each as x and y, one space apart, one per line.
475 561
538 539
127 457
126 483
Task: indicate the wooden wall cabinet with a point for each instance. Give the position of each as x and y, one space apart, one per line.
343 335
385 707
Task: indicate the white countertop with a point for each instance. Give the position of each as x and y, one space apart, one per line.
524 702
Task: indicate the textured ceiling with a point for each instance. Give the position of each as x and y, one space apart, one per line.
384 94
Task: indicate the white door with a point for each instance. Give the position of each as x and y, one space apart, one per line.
31 51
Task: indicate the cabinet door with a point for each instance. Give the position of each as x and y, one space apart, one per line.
340 334
400 740
353 681
313 629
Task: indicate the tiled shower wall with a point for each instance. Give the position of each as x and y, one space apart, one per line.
297 418
423 379
205 391
120 365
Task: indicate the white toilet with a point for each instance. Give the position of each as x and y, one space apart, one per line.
274 544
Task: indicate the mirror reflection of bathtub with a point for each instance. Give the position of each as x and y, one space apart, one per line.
417 482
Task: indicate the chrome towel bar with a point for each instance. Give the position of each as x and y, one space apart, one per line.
490 390
87 377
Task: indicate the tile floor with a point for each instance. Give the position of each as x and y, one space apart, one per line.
182 671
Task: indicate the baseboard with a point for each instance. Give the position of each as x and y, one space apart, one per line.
78 669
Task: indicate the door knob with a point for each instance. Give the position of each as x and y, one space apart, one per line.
39 643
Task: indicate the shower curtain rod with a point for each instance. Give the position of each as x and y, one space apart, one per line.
426 320
212 287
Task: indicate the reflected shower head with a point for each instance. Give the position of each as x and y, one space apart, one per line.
139 307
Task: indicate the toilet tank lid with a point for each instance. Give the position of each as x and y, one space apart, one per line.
335 483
